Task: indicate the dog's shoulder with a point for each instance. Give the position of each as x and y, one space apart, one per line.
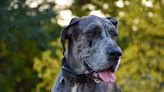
57 85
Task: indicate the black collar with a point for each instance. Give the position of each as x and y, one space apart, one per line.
69 74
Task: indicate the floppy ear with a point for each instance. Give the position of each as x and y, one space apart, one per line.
66 32
113 20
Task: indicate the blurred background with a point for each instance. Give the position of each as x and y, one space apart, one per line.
30 49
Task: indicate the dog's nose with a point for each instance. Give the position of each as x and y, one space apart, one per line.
114 52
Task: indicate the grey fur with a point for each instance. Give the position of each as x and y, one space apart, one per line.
89 40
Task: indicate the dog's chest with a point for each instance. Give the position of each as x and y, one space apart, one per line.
75 87
89 88
82 88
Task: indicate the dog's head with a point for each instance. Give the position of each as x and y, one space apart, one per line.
92 47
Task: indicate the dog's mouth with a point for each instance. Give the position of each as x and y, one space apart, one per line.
106 75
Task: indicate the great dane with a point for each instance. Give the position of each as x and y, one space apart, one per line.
90 57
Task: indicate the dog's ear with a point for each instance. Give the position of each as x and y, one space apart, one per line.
67 31
113 20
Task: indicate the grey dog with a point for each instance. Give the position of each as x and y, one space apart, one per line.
90 57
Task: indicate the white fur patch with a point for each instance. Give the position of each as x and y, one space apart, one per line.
74 88
118 63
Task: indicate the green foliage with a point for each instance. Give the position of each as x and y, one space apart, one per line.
30 49
24 34
48 67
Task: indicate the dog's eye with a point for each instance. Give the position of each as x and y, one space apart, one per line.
113 32
90 34
94 33
90 43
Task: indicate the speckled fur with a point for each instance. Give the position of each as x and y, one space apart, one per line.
79 52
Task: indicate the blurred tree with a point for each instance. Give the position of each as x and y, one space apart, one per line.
48 67
30 45
25 32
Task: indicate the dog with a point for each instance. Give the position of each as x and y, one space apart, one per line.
90 57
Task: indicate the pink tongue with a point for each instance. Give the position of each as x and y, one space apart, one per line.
107 76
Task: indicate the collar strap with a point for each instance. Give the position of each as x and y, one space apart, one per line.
68 73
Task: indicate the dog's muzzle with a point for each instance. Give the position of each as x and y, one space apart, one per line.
107 75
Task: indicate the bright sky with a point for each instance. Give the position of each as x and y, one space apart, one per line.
66 15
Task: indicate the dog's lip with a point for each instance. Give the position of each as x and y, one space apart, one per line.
105 75
88 69
91 71
95 73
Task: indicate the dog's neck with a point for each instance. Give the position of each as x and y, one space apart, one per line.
68 73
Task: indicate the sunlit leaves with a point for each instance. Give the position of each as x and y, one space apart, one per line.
47 68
